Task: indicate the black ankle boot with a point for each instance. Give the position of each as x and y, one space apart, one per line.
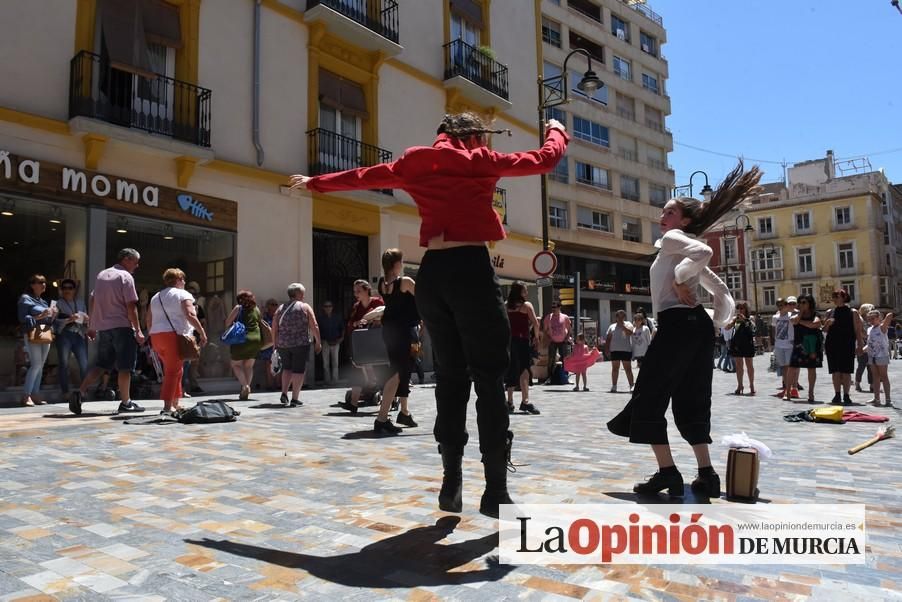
707 482
495 465
449 498
666 478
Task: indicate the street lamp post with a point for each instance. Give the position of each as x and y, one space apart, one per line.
707 191
554 91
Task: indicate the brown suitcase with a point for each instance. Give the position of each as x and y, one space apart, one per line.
742 474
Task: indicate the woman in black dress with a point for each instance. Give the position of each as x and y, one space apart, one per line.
742 347
844 341
808 346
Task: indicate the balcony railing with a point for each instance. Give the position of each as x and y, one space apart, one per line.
380 16
644 10
654 124
159 105
328 152
626 113
657 164
629 155
477 66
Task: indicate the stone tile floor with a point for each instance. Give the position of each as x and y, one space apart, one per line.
305 503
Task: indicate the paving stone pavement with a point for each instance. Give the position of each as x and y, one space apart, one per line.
304 503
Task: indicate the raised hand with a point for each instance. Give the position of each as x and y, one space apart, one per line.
299 182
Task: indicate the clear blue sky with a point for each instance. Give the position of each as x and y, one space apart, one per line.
782 80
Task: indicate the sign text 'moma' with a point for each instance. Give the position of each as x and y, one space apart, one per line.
74 180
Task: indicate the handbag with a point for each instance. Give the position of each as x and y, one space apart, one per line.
236 334
188 348
41 334
265 335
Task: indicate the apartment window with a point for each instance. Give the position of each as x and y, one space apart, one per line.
657 195
729 250
632 229
884 204
591 131
648 43
556 113
593 220
846 256
655 157
622 68
733 280
886 233
592 176
654 119
770 296
849 287
806 289
557 215
884 287
561 172
620 28
806 260
629 188
650 83
626 107
765 226
803 222
551 32
578 41
768 264
586 8
843 216
600 95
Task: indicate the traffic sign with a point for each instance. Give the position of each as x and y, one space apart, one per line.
543 282
544 263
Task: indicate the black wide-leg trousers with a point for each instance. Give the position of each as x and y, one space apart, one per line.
679 367
459 298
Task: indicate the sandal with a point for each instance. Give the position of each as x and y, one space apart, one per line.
738 391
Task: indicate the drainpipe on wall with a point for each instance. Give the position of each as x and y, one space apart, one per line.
256 109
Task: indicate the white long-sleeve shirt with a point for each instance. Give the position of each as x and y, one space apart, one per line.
684 259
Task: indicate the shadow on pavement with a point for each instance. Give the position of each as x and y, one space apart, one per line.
416 554
688 498
371 434
347 414
270 406
82 415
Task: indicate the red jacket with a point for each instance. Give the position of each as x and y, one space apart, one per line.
452 186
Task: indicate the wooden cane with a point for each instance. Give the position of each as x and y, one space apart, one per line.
884 432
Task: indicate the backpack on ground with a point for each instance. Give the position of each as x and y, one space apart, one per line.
209 412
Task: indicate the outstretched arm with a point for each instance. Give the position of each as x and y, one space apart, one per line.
384 175
534 162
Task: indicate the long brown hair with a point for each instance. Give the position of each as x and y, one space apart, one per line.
737 185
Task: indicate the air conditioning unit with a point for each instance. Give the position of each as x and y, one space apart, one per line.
621 35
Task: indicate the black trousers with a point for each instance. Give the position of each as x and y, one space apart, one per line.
459 299
397 338
677 366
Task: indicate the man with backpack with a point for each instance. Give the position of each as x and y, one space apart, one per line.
292 328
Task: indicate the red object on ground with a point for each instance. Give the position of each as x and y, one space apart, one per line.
853 416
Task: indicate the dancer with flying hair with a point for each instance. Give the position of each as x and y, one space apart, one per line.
677 366
458 295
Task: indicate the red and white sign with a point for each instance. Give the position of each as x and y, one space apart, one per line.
544 263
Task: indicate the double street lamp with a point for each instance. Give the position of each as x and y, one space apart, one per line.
707 191
555 91
767 250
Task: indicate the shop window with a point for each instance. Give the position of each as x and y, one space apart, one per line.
36 237
206 256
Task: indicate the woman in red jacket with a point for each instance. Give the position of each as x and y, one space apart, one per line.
459 298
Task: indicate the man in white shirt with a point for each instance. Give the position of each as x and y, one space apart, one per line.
784 339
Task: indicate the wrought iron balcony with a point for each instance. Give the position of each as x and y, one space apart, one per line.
328 152
379 16
476 65
159 105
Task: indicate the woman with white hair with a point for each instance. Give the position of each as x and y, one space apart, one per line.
292 327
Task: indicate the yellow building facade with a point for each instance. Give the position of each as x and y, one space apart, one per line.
813 238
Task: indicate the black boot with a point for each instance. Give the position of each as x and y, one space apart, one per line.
707 482
495 464
666 478
449 498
